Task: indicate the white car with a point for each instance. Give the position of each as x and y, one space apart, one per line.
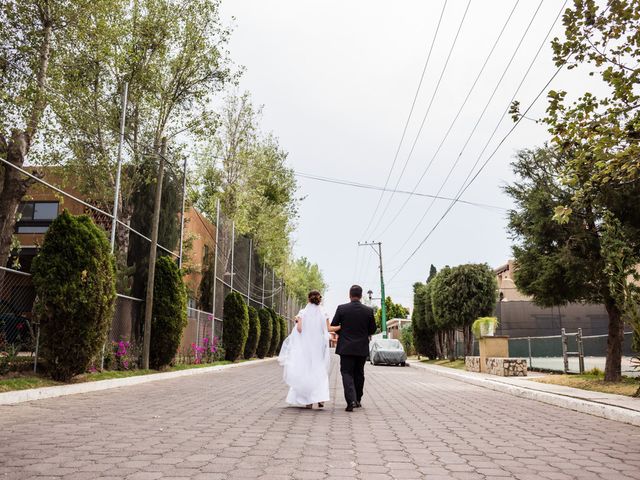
387 351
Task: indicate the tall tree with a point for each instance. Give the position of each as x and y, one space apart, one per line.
560 253
302 276
34 42
394 310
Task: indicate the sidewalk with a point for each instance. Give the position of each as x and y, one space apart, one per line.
604 405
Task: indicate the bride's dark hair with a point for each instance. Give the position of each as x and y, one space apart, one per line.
314 297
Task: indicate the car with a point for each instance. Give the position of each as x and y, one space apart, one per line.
14 326
387 351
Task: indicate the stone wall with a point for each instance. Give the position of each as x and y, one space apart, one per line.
507 367
504 367
472 364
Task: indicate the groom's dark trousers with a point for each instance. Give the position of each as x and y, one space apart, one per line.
356 323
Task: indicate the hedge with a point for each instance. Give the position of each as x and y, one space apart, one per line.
266 332
254 333
235 327
74 279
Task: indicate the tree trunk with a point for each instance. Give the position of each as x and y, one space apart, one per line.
438 343
17 147
613 365
451 337
14 187
468 341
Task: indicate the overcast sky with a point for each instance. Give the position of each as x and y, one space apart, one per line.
337 79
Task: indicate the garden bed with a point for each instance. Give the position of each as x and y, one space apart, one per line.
24 380
594 381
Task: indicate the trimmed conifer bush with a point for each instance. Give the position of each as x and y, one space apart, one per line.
235 326
74 278
284 331
266 332
254 333
169 317
275 338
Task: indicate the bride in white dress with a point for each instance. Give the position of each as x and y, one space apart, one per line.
306 357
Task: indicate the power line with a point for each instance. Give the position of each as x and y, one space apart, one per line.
349 183
473 130
478 172
426 115
406 124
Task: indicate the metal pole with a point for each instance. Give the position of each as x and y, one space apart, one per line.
233 247
215 269
123 116
529 342
249 275
565 356
580 350
35 360
148 311
198 328
383 305
184 191
273 287
264 273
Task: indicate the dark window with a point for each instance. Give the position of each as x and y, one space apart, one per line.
35 217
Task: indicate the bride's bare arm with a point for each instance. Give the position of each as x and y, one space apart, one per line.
330 328
299 324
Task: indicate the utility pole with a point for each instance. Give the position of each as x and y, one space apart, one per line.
184 198
383 304
148 310
116 200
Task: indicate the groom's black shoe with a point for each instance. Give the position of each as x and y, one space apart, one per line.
350 407
358 404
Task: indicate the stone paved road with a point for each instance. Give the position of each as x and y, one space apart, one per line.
233 425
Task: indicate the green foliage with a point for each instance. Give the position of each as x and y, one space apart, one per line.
169 317
394 310
484 324
74 278
283 331
205 288
235 326
275 336
423 329
266 332
254 333
574 256
302 276
406 337
247 172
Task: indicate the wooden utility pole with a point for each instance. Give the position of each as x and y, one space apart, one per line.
148 310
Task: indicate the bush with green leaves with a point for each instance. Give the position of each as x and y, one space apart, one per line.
284 331
266 332
235 326
169 317
275 338
74 279
254 333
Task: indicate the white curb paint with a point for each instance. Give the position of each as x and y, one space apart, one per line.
19 396
610 412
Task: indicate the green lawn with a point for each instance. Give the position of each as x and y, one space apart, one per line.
594 381
23 381
457 364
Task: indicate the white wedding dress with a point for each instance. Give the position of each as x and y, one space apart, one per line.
306 358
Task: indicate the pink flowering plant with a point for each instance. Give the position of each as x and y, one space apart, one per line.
208 350
125 355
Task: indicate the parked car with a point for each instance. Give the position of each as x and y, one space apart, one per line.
387 351
13 324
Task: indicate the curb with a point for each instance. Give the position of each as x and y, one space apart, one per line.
610 412
29 395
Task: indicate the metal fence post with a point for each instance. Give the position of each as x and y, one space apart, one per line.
264 274
249 274
580 350
184 191
233 246
529 343
35 359
565 349
198 328
215 268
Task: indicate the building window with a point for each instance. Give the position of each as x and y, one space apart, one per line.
35 217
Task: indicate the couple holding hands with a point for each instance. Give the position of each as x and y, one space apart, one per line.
306 357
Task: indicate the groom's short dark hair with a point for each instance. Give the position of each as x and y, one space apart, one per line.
355 291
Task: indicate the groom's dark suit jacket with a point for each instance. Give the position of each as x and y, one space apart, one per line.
357 323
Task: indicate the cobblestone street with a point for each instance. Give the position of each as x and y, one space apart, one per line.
234 425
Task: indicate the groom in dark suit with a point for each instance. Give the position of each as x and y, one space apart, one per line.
356 324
